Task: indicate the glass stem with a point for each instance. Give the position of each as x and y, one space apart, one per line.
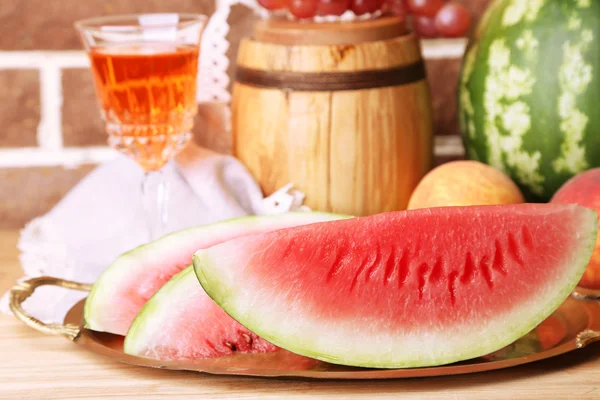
155 196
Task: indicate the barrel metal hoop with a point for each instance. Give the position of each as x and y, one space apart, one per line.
332 81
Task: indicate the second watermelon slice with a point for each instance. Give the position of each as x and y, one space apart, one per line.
129 282
180 322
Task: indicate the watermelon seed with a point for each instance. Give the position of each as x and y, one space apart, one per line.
485 271
376 262
211 345
230 345
335 266
513 250
452 279
498 263
288 249
247 338
437 271
469 271
404 268
390 266
527 238
361 268
423 269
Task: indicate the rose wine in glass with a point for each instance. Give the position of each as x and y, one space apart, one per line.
145 69
147 96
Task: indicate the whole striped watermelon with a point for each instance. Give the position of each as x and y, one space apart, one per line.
529 94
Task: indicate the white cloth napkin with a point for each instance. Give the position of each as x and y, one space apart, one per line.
103 216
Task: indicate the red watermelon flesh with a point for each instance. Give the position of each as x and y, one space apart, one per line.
406 289
129 282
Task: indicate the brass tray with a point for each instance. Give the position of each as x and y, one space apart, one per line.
573 326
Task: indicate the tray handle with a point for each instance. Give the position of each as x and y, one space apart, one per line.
587 337
22 290
586 294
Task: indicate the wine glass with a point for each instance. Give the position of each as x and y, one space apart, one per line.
145 68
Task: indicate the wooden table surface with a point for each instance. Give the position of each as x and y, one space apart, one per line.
34 366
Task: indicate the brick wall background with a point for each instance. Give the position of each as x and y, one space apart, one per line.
51 133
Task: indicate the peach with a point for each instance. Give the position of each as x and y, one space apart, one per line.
584 189
465 183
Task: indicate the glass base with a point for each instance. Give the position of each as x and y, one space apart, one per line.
150 152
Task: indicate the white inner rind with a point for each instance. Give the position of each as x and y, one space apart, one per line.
351 342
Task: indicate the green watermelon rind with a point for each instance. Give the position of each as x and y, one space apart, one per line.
101 294
136 337
207 269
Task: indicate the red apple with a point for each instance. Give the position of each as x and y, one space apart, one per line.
584 189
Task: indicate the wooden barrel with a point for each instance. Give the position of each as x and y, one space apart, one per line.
342 111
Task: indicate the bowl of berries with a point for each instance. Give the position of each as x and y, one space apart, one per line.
427 18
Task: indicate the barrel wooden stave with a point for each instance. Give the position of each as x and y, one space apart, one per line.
335 58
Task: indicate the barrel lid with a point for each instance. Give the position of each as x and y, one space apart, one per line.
286 32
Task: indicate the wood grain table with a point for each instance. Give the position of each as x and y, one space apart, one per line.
34 366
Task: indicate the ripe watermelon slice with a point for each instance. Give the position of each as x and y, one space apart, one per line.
406 289
125 286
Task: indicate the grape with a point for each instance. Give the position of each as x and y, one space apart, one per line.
453 20
425 27
397 7
425 8
332 7
361 7
273 4
303 8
